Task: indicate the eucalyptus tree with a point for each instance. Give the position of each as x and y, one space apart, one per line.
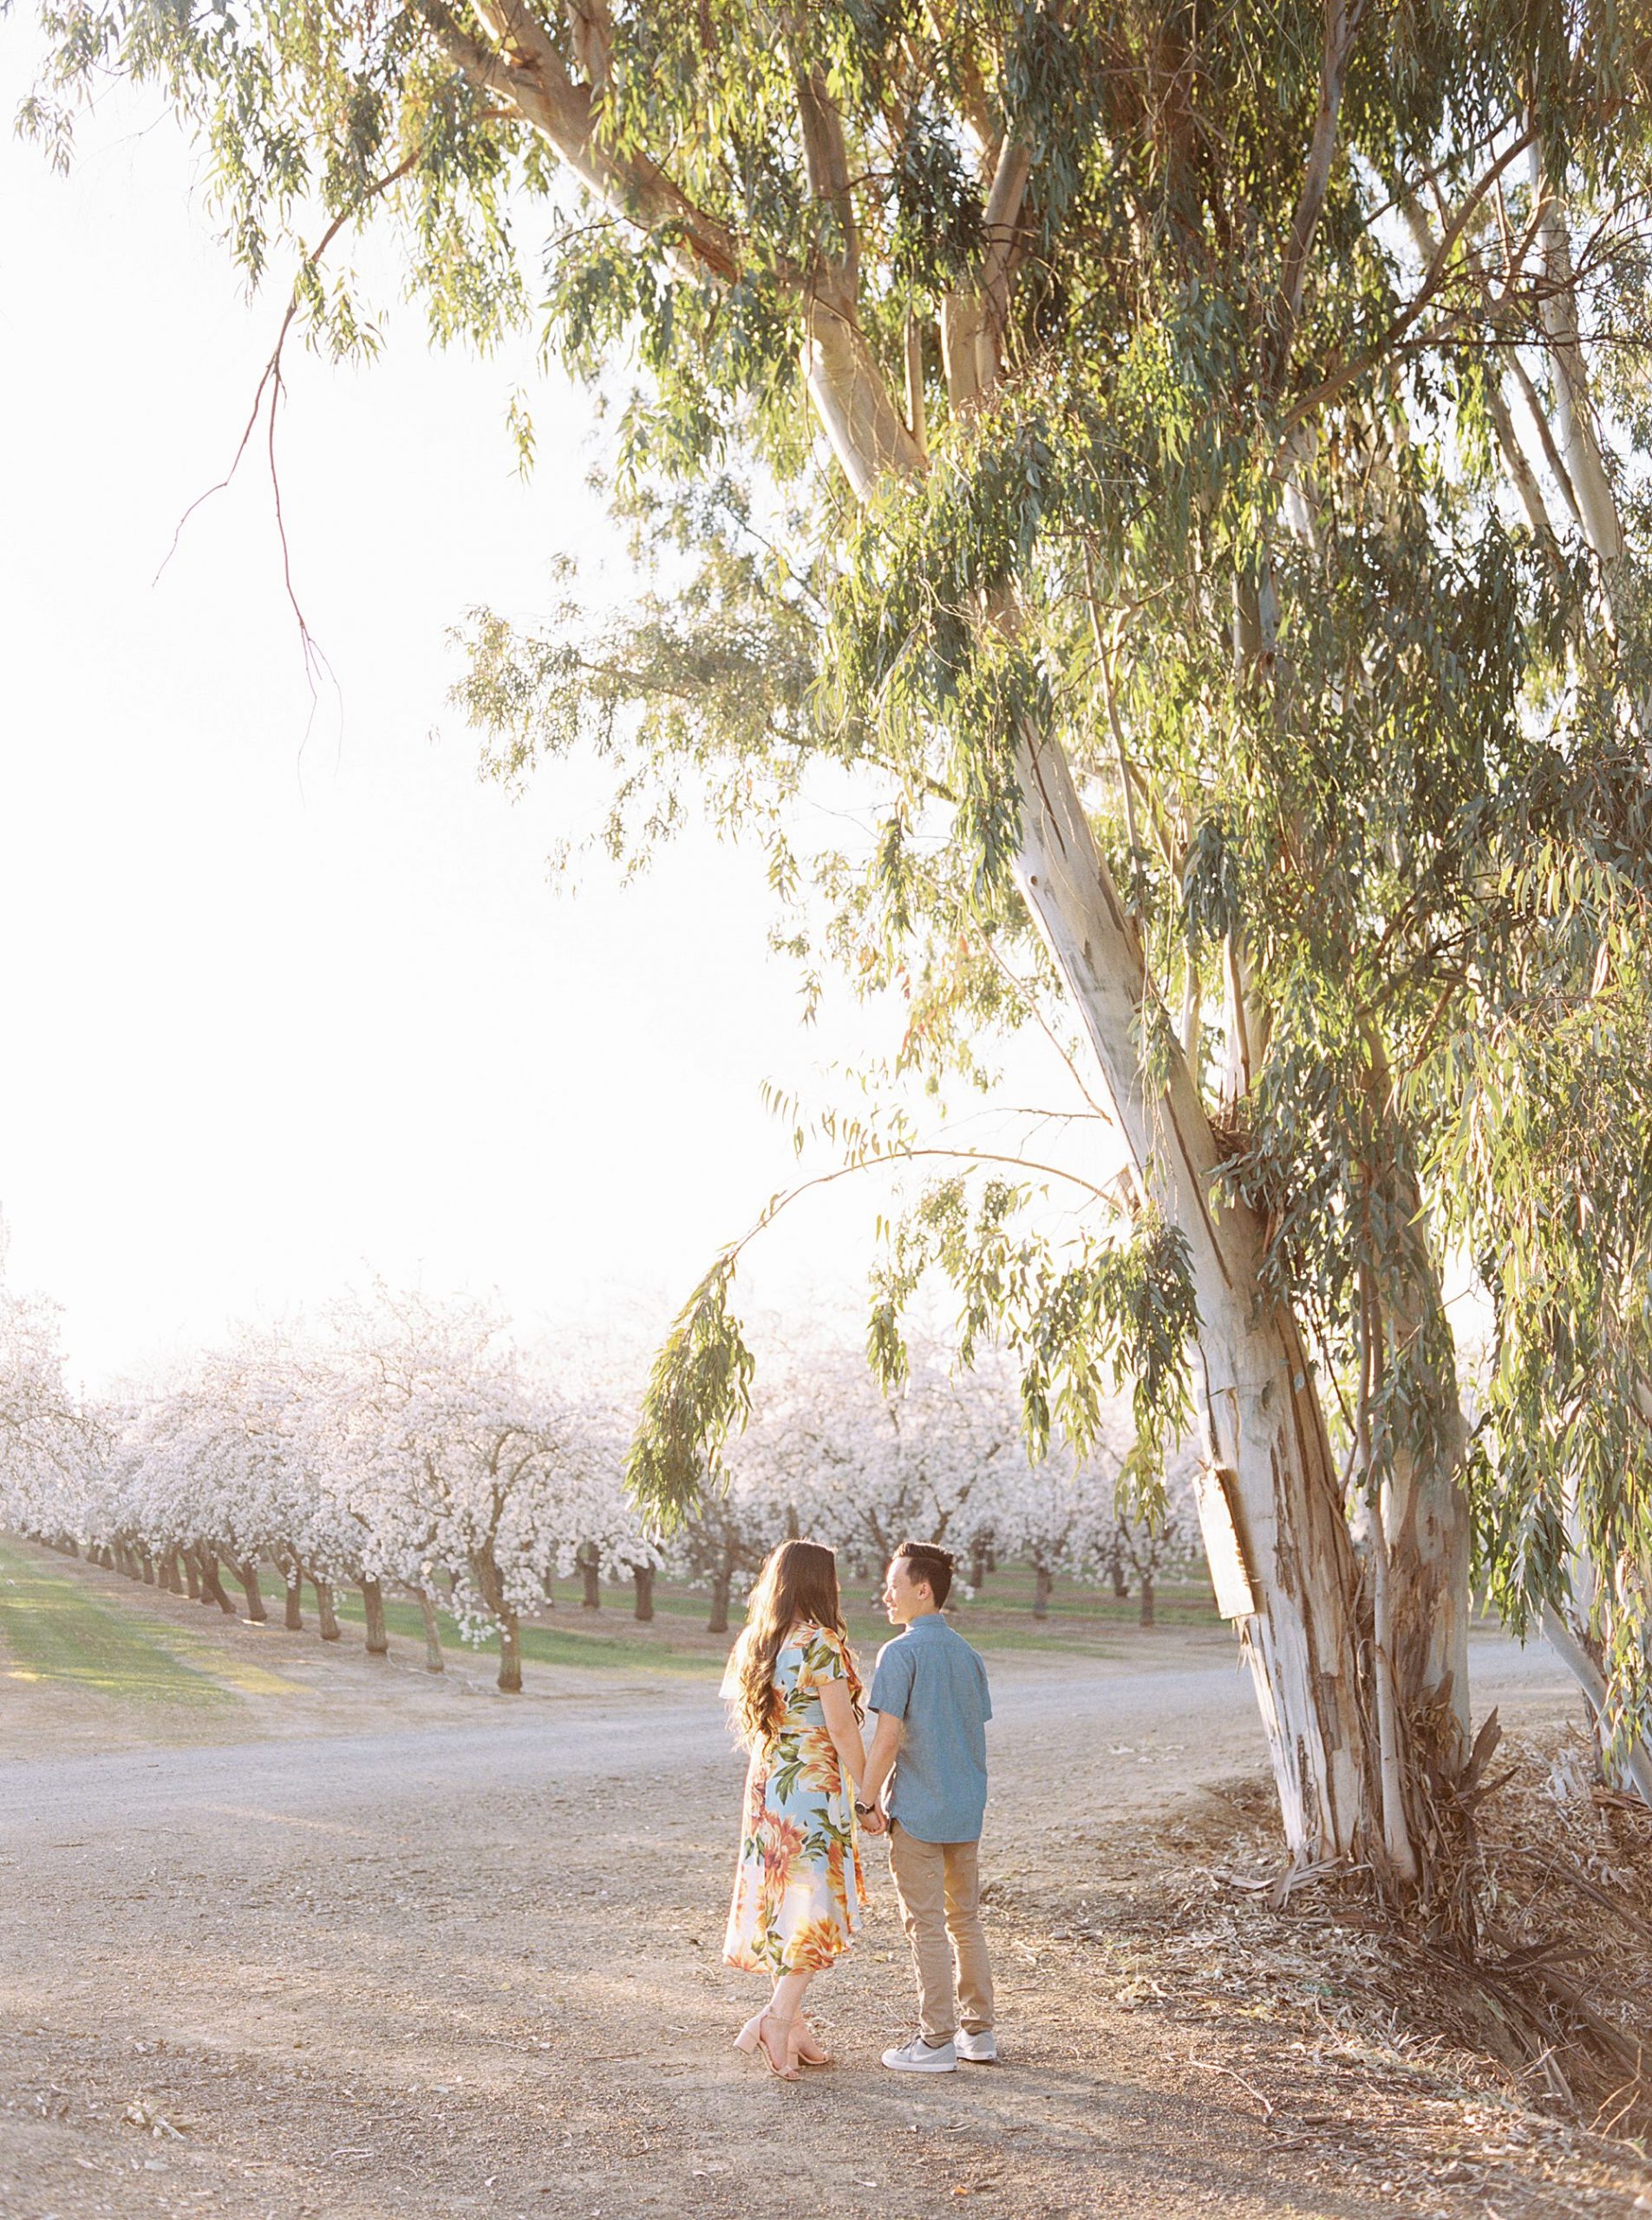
1157 453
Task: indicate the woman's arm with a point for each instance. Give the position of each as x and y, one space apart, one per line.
845 1730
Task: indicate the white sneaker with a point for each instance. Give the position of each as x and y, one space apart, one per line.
980 2049
917 2057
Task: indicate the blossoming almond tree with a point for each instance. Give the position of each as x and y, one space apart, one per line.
50 1445
453 1453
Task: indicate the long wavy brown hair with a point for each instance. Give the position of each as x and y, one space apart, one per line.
797 1586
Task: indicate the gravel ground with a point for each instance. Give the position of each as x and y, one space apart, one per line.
415 1952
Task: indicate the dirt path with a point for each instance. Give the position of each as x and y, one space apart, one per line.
467 1964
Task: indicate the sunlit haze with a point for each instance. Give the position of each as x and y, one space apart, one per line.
290 998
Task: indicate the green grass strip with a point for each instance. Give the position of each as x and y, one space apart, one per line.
53 1629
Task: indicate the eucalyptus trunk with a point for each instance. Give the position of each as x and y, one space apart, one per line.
1633 1769
1261 1418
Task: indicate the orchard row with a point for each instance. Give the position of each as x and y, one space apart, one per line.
408 1448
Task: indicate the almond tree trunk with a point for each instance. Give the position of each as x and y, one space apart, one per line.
590 1598
324 1610
1147 1616
213 1584
191 1574
722 1582
378 1639
491 1588
247 1574
294 1599
1043 1582
643 1580
433 1662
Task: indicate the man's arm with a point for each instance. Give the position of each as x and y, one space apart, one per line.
885 1747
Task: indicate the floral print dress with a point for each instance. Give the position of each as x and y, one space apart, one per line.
799 1880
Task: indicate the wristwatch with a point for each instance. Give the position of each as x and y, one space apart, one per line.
864 1810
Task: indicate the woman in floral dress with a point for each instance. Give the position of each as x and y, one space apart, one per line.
794 1700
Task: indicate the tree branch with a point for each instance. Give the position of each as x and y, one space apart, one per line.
529 72
1342 19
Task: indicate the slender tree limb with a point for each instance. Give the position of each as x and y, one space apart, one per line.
1389 341
776 1203
1342 19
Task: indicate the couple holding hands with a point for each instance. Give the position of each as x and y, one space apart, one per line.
812 1789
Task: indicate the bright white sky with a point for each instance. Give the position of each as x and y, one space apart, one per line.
278 1014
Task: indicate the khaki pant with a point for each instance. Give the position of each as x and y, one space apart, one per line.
939 1887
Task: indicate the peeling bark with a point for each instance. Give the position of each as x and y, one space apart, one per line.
1568 1645
1262 1418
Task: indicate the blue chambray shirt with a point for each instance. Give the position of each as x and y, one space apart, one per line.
932 1680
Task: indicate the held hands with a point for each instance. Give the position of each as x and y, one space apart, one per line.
873 1821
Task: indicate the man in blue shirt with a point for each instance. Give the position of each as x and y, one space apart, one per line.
930 1693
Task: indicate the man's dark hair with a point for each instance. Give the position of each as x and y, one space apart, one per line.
933 1566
